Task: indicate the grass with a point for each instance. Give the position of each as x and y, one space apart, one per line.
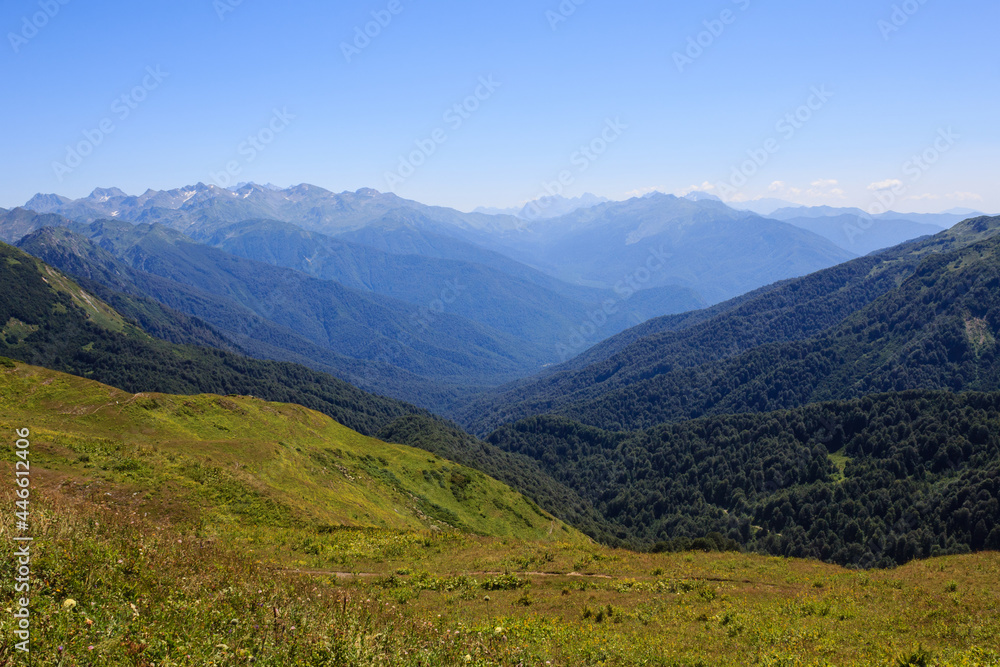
840 461
148 592
97 311
217 531
224 464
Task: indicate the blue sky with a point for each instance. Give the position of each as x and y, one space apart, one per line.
201 77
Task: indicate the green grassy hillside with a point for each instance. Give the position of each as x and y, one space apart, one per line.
228 463
112 588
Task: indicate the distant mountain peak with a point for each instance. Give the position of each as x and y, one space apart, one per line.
254 186
698 195
46 203
964 211
545 208
105 194
764 205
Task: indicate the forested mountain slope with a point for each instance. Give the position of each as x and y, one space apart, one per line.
528 307
229 291
938 330
633 388
874 481
239 328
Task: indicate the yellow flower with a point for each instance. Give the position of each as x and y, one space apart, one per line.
69 603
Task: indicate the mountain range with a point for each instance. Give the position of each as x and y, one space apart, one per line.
417 302
652 372
545 208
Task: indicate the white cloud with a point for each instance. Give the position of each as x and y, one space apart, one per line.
887 184
825 183
704 187
782 189
825 189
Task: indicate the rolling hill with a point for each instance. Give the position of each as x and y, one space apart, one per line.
218 461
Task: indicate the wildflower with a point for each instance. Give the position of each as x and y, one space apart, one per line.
468 658
498 630
88 622
60 649
69 603
90 648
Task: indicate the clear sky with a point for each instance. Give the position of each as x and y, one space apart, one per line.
626 78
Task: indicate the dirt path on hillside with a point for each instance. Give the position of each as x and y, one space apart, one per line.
581 575
365 575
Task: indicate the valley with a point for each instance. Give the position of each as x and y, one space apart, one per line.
252 426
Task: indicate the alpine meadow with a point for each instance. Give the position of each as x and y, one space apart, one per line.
522 334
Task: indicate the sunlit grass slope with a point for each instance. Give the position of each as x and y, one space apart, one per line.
235 463
111 589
